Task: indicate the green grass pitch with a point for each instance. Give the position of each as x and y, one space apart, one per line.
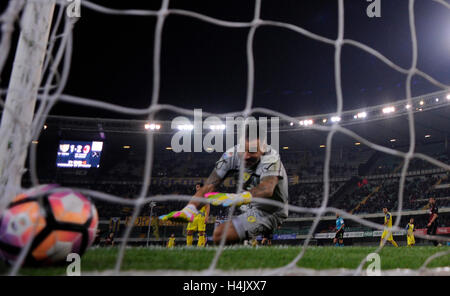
233 258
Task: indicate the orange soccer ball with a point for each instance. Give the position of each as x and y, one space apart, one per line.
60 223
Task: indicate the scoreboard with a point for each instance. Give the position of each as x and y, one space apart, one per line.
79 154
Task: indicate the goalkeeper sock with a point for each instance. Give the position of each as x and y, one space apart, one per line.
190 211
191 208
189 240
201 241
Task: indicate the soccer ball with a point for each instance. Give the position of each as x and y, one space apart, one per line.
60 223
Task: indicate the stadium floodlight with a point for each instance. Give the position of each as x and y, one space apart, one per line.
152 205
45 126
185 127
324 120
408 106
35 142
360 115
421 103
126 147
306 122
437 99
152 126
285 148
448 97
168 148
322 146
335 119
291 124
427 136
387 110
392 140
357 143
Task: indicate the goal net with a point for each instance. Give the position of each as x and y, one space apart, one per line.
49 25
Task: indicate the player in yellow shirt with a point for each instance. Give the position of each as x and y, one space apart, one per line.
410 233
387 228
199 224
171 242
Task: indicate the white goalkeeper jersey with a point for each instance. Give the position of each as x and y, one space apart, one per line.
269 165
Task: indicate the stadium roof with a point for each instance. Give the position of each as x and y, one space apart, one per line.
431 123
430 126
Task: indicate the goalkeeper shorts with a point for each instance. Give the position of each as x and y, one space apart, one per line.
254 222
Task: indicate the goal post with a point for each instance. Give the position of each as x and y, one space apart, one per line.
18 110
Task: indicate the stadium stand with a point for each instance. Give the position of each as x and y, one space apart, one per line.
362 180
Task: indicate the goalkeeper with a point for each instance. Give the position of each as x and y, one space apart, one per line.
264 177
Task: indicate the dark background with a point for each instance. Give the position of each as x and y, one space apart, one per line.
204 66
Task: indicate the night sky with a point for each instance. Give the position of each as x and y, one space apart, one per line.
204 66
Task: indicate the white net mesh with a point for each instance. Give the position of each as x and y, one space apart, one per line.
57 68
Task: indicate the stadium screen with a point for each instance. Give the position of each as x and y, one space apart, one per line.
79 154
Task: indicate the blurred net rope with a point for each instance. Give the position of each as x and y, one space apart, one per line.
56 66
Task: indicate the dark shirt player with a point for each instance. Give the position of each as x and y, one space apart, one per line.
433 220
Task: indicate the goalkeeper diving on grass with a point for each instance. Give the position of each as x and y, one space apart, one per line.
264 178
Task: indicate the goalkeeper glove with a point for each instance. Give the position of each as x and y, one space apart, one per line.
187 214
228 199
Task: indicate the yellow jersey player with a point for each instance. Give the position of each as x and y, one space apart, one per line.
410 233
199 224
387 228
171 242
